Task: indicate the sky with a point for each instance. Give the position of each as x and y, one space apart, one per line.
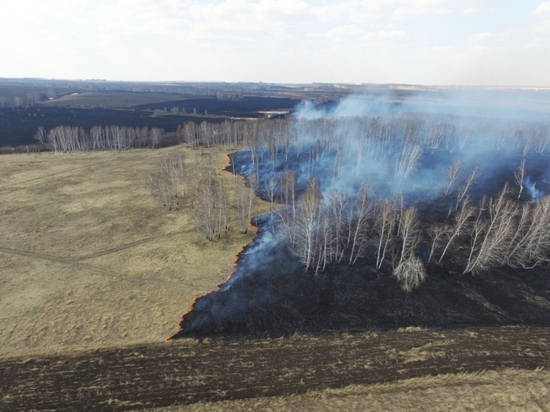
426 42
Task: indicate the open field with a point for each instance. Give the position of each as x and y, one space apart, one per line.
187 372
89 259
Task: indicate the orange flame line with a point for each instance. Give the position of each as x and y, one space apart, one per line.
243 247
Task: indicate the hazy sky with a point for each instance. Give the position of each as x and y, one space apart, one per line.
482 42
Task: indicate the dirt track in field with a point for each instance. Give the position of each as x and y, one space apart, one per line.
185 372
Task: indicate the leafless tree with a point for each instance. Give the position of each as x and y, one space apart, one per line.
408 161
209 207
337 205
437 232
454 171
162 190
323 242
305 224
410 273
384 224
358 229
288 189
155 135
40 135
519 174
492 234
242 195
530 245
462 218
181 172
190 134
270 189
463 190
222 206
408 233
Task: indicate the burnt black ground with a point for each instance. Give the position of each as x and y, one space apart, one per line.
19 125
286 300
247 106
271 294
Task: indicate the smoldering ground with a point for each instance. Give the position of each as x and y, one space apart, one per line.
374 198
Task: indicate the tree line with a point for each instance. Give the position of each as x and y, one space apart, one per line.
205 134
415 132
71 139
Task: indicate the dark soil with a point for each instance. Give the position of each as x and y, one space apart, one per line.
169 374
285 300
244 107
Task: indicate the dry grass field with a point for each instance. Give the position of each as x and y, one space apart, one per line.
89 259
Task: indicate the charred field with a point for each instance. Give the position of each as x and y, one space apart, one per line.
281 298
18 125
378 223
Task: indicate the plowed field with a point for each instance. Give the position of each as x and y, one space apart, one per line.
187 372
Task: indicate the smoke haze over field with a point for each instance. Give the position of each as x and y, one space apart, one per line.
507 104
466 124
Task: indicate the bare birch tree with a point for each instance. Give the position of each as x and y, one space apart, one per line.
408 233
358 235
410 273
337 205
437 232
496 230
463 190
462 218
454 171
519 174
408 161
208 220
305 224
384 224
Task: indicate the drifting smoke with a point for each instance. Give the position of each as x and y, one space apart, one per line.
430 150
531 187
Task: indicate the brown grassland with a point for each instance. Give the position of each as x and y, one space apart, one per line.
89 259
91 267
